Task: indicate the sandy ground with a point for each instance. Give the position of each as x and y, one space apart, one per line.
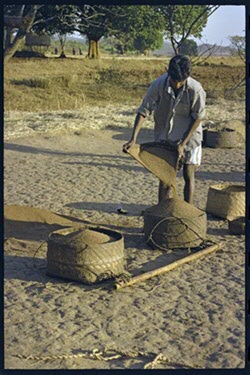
58 174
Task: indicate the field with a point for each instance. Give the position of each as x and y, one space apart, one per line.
64 127
68 84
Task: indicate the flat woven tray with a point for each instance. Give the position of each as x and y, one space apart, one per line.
160 158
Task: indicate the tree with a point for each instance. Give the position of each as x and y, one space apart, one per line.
238 46
19 18
62 21
189 47
99 24
22 19
138 28
184 21
148 40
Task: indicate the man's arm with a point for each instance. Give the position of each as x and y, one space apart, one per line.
139 120
188 135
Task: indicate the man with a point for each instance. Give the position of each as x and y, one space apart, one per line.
178 103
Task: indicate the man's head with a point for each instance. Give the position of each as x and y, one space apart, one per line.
179 70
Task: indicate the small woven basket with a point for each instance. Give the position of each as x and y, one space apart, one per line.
226 201
226 138
87 255
237 226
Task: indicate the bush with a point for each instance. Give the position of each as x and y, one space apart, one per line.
41 83
29 54
189 47
110 76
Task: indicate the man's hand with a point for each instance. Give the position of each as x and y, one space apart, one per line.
127 145
180 148
137 126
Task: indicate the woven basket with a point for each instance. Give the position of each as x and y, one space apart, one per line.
174 224
87 255
160 158
226 138
237 226
226 201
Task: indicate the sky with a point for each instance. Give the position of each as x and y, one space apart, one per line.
224 22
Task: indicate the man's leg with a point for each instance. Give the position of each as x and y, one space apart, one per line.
189 178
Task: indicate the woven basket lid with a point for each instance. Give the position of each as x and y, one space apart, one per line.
74 237
174 207
229 188
160 158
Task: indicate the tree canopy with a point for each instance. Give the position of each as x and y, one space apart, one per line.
184 21
138 28
189 47
133 27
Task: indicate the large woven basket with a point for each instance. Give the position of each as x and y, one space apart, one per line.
226 201
226 138
160 158
174 224
87 255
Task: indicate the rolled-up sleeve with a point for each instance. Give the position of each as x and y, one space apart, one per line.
198 107
149 102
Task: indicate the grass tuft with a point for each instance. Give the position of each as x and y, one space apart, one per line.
41 83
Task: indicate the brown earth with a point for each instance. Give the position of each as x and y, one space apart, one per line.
65 169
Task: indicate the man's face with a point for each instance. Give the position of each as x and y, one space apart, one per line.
176 84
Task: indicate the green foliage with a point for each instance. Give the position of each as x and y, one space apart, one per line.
56 19
189 47
183 21
138 28
148 40
95 21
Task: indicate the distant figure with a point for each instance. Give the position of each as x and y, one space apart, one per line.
80 51
56 51
73 51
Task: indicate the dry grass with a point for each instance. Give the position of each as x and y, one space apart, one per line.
72 83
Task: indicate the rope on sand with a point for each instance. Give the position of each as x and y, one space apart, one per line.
96 354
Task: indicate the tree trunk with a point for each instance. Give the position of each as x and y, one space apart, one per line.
7 37
10 51
25 26
93 51
62 40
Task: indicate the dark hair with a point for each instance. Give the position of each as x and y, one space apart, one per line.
179 68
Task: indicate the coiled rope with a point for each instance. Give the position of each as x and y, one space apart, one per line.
97 354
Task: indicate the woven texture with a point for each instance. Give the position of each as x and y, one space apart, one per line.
174 224
160 158
228 138
237 226
226 201
88 255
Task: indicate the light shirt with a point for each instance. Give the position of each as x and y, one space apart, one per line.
173 115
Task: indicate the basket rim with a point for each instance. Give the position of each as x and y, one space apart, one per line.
114 234
221 186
